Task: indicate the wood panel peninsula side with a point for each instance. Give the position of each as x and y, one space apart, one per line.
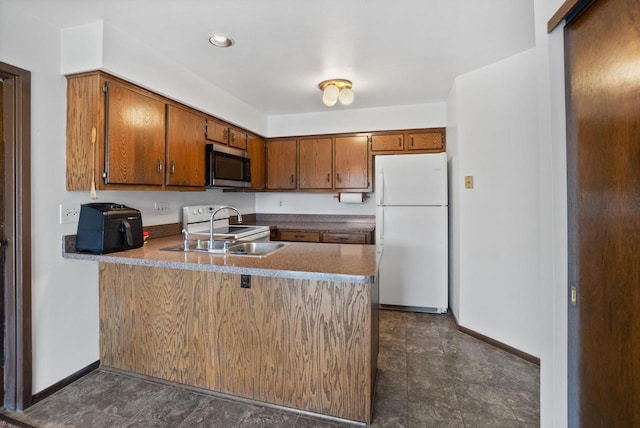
303 335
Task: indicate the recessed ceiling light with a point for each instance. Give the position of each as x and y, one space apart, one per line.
220 40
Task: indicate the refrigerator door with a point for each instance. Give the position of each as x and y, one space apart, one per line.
417 179
414 266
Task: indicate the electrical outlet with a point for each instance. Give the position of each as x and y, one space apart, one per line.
162 208
69 213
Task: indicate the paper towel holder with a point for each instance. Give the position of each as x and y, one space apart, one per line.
363 195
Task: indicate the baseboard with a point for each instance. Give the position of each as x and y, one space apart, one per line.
510 349
64 382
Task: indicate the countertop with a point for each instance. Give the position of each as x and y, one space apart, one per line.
328 262
343 223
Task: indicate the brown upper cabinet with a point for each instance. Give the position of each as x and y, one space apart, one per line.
217 132
387 142
185 148
143 141
315 160
238 138
429 140
425 141
256 151
323 164
281 165
129 127
351 163
220 132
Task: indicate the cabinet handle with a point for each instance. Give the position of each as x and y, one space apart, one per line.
233 138
338 179
225 135
291 179
411 141
159 166
173 167
328 177
399 142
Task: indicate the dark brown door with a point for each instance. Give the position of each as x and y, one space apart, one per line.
602 47
2 246
15 218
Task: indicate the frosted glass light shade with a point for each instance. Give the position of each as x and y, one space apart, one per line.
328 102
331 93
346 96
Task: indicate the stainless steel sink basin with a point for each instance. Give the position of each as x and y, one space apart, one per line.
199 246
258 249
255 248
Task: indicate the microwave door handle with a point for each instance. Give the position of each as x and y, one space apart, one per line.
126 229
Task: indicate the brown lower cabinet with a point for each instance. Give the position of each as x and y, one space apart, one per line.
322 236
300 343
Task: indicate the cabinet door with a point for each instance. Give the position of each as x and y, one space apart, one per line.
351 163
257 153
185 148
217 132
299 236
426 141
281 164
237 138
135 145
345 237
383 143
314 163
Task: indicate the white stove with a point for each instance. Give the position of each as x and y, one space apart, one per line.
195 220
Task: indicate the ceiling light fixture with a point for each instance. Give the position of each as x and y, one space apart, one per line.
220 40
334 90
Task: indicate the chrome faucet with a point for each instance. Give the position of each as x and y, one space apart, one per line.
213 214
185 239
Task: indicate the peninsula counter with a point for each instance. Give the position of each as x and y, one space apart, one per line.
297 328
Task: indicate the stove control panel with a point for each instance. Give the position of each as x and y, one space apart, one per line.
201 213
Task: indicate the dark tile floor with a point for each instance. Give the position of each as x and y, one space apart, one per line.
430 375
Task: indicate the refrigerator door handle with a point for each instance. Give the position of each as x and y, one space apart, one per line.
381 188
381 227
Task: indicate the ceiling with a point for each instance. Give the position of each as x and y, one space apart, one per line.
396 53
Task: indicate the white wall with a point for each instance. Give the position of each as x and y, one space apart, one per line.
64 294
455 184
496 225
553 216
355 120
310 203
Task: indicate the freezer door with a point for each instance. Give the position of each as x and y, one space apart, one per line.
414 266
417 179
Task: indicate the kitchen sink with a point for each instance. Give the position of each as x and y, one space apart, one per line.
255 248
258 249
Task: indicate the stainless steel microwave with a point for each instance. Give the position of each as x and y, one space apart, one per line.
227 167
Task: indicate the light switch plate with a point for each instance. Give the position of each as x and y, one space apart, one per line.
468 182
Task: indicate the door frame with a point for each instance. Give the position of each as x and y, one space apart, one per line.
17 195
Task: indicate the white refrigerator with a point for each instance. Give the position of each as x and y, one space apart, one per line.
412 225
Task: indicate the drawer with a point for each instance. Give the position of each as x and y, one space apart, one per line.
292 235
345 238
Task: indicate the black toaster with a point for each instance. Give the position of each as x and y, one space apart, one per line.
106 227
